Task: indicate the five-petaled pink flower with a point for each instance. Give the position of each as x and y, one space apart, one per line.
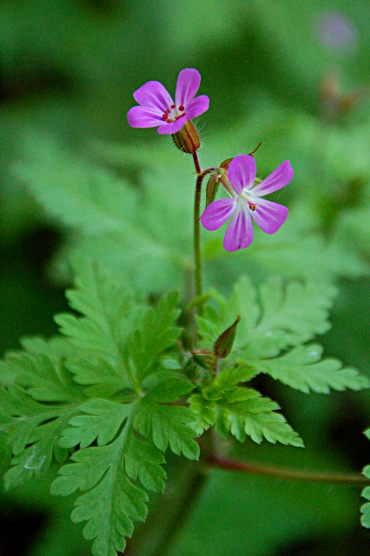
246 203
157 109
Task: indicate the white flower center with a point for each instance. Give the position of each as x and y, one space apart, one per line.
173 113
246 197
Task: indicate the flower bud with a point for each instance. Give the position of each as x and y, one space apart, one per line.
224 343
187 139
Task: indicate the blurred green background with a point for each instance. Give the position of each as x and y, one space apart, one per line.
67 72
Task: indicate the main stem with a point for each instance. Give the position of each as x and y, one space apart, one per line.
197 250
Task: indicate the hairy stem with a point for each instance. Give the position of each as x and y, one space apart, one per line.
197 199
196 163
284 473
197 249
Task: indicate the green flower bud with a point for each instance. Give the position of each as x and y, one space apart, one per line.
187 139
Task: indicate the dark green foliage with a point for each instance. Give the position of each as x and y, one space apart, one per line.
114 348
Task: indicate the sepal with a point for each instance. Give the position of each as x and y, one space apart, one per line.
187 139
224 343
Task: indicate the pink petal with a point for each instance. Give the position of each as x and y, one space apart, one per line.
276 180
141 116
269 216
242 172
197 107
239 233
217 213
173 127
154 95
187 86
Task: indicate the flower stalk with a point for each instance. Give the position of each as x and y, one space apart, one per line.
197 248
197 200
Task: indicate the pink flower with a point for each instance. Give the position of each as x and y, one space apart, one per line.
157 109
246 203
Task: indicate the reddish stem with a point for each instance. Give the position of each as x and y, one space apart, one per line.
284 473
196 163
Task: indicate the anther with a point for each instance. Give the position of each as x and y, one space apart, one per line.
252 206
181 108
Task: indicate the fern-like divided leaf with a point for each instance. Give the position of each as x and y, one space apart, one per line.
57 402
365 508
244 412
303 369
108 471
112 501
124 359
33 428
273 321
118 341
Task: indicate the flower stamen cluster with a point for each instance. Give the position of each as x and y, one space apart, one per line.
172 114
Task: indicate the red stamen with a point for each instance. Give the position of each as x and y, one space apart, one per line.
173 106
252 206
181 107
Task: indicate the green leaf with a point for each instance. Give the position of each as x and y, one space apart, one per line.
46 379
169 425
32 429
226 380
73 191
155 334
143 461
111 502
204 413
101 422
115 348
365 508
166 386
118 341
120 230
109 313
303 370
278 318
244 412
35 410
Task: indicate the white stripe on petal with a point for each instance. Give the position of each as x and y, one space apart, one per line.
239 233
